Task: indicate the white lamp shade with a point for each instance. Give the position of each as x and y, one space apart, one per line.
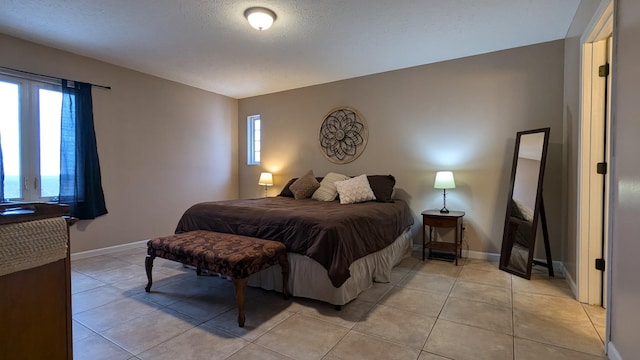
266 179
444 180
260 18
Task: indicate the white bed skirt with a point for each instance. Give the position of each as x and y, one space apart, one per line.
309 279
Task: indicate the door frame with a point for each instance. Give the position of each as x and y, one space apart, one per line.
590 206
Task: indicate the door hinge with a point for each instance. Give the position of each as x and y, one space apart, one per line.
603 70
601 168
600 264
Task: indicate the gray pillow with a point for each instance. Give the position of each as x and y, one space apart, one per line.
305 186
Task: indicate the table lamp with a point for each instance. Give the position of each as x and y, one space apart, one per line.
444 181
266 179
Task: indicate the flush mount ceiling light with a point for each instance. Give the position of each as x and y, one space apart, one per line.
260 18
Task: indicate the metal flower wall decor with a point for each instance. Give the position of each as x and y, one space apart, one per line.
343 135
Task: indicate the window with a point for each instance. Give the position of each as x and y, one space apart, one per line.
253 140
30 137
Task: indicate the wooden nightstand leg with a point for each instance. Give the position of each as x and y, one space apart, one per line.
457 244
424 244
430 238
461 237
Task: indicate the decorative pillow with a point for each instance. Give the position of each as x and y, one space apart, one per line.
286 192
382 186
305 186
327 190
355 190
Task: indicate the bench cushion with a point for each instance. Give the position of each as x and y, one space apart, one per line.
228 254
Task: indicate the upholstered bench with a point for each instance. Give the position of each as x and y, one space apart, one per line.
230 255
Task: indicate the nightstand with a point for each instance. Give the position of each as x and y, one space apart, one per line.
434 218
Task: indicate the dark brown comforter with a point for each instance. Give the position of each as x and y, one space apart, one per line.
334 235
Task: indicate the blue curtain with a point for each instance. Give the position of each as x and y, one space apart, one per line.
80 180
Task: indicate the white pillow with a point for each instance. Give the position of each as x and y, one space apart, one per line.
355 190
327 190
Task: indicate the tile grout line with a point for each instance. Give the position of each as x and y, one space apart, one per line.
443 305
377 302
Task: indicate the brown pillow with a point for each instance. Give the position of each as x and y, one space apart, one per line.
305 186
382 186
286 192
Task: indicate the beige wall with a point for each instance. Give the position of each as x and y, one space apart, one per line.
460 115
625 207
162 146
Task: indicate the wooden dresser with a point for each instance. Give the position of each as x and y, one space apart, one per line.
35 299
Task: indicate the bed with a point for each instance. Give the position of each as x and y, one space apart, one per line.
335 250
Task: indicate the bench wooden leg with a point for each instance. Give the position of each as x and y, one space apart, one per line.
148 265
240 286
284 264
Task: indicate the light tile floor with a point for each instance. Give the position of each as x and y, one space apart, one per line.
431 310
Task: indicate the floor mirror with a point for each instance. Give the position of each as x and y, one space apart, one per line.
525 206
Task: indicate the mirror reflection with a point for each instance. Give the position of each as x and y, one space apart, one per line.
525 196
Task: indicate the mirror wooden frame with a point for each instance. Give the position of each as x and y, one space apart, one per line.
520 231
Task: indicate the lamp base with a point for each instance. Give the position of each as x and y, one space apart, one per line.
444 209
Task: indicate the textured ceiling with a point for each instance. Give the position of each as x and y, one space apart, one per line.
208 43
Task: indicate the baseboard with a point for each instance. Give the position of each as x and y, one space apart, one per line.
612 352
482 255
106 250
572 284
558 266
